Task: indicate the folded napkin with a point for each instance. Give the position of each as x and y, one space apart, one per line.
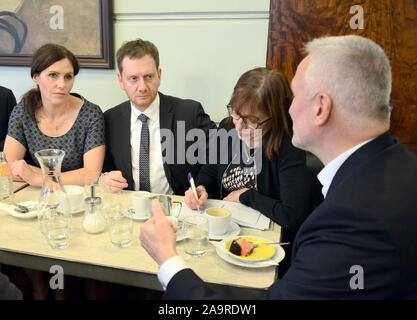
10 209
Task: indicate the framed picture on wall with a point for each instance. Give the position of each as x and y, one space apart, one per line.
82 26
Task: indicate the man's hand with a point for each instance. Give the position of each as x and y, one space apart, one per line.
234 195
192 202
113 181
158 235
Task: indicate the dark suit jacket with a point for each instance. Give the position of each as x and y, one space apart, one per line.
7 103
8 290
367 223
172 110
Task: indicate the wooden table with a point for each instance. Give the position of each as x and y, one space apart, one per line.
93 256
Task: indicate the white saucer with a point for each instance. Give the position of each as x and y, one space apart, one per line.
133 215
234 230
274 261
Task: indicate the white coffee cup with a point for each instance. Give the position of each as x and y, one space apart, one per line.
75 197
219 220
141 204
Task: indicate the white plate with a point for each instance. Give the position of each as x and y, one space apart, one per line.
274 261
261 254
133 215
233 231
33 213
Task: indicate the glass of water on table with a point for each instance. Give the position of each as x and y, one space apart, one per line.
57 230
195 228
120 227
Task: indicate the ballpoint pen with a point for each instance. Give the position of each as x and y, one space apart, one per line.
191 181
192 184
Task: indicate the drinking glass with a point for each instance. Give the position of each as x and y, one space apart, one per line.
120 228
196 229
57 230
112 201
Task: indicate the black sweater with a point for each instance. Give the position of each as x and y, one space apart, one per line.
7 103
283 193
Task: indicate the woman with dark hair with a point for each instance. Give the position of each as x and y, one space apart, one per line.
275 181
51 117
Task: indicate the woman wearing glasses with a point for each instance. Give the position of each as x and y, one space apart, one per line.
267 172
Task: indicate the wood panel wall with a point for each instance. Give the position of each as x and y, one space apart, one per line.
390 23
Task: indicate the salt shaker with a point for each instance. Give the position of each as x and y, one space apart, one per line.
94 220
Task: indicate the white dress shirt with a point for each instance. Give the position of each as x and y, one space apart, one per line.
327 174
169 269
159 182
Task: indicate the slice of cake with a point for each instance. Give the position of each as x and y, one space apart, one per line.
241 247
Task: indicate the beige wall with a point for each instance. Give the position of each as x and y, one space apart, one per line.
204 47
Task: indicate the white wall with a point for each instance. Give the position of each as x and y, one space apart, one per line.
204 47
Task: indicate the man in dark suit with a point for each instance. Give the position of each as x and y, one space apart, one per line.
8 290
360 242
7 103
146 136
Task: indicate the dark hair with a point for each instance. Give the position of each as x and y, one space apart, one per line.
267 91
45 56
136 49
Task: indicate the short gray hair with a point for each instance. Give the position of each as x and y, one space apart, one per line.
354 71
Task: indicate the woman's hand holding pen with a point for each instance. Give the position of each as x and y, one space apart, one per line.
192 202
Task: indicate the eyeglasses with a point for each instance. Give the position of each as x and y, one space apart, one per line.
249 121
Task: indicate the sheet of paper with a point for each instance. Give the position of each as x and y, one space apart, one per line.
241 214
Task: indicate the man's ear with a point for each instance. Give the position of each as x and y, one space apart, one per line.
159 73
119 77
323 108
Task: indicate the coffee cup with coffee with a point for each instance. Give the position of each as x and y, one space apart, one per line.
141 204
219 220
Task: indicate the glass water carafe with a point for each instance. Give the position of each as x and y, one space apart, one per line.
53 201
